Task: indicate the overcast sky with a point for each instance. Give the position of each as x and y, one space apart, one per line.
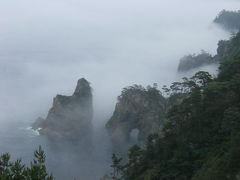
47 45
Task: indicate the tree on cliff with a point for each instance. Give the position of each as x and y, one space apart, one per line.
201 138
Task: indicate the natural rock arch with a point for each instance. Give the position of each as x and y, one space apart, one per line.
137 108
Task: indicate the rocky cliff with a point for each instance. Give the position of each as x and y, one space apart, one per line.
70 116
138 113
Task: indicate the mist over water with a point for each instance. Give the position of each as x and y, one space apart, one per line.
47 45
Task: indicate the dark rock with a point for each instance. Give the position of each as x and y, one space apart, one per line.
140 110
38 123
70 116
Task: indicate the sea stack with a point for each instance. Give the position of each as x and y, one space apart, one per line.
70 116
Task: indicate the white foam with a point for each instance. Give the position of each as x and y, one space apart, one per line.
31 131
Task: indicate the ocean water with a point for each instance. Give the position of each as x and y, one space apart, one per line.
65 160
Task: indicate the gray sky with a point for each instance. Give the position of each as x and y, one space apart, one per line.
45 46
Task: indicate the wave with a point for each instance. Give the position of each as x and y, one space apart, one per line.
30 131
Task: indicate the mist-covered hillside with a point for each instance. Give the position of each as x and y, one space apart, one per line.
201 136
194 61
229 20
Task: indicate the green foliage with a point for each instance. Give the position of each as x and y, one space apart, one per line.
151 92
201 138
116 166
17 171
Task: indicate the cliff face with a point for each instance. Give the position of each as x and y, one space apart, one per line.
70 116
139 112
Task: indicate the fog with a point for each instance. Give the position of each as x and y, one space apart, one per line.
47 45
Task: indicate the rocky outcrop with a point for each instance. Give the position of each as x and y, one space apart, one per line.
225 48
192 61
38 123
70 116
229 20
139 112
